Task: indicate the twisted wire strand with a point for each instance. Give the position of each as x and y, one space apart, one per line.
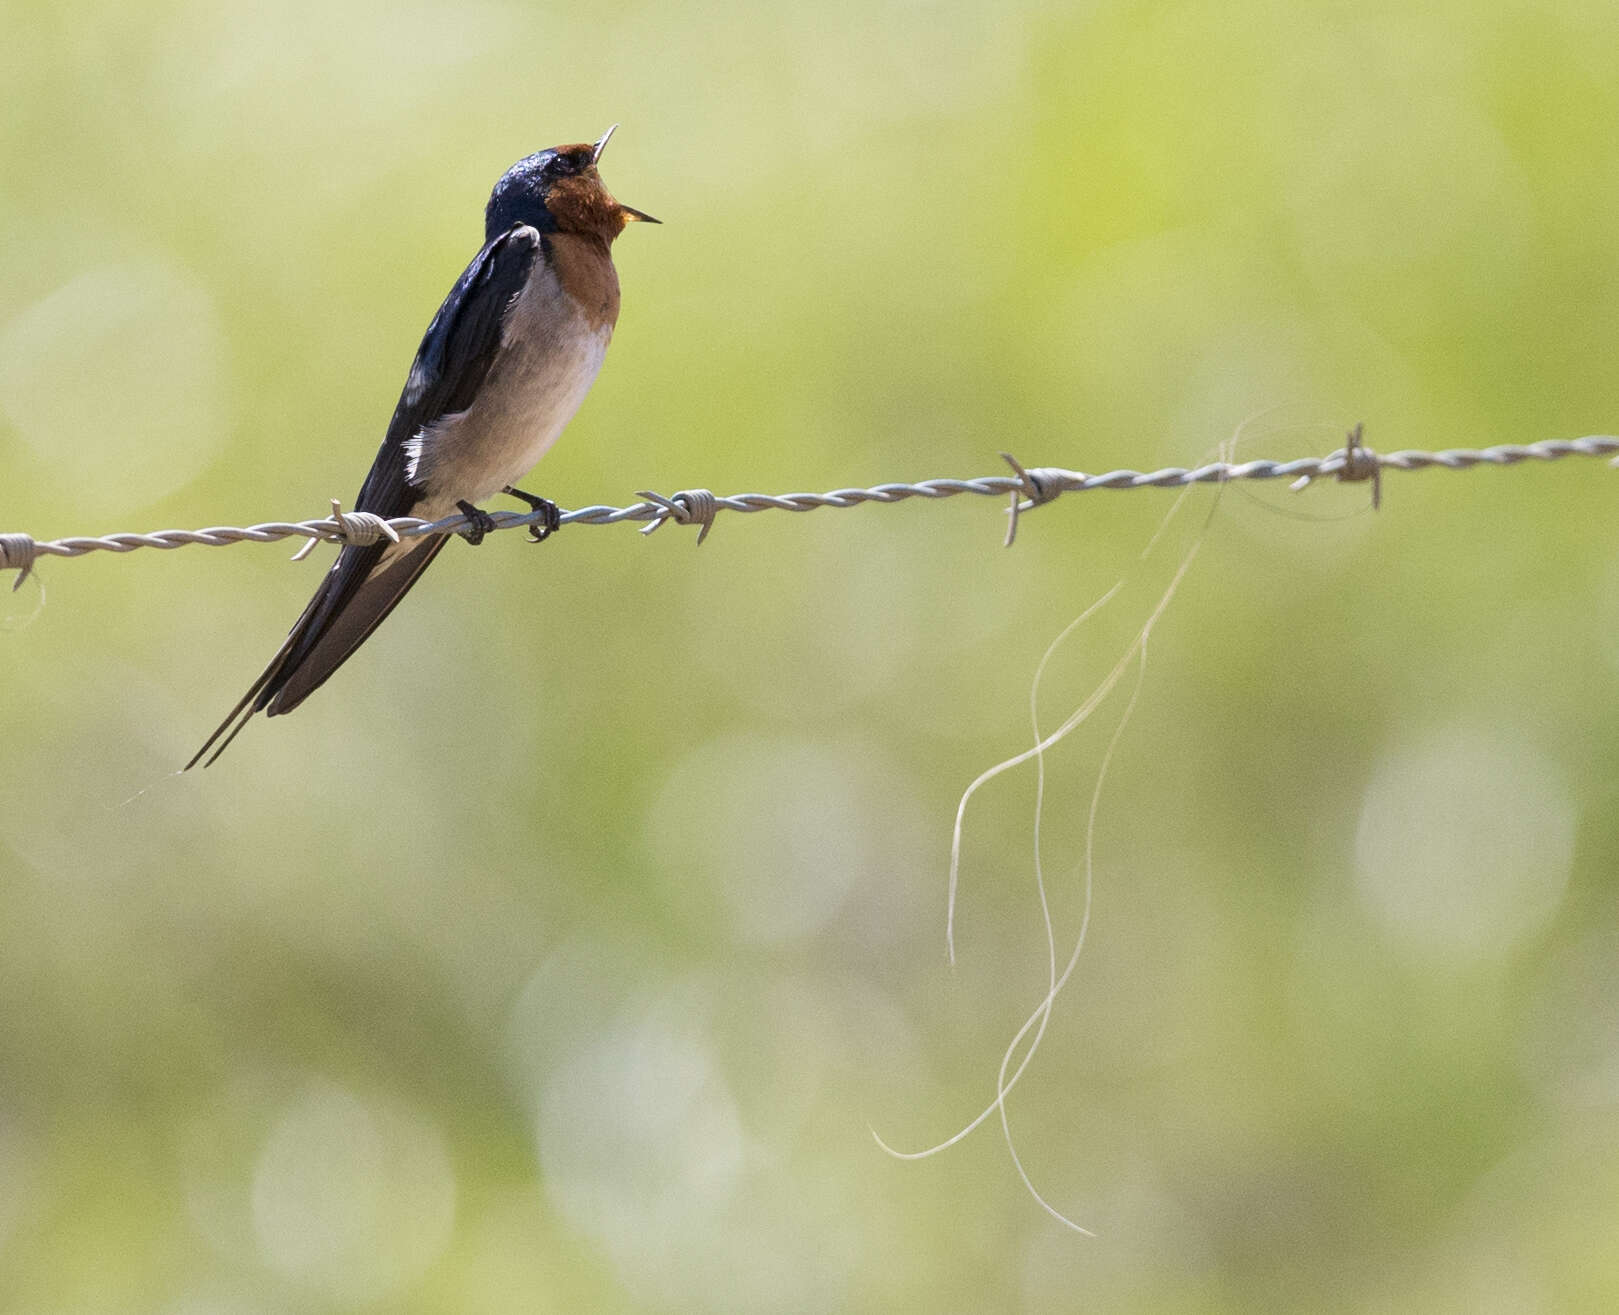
1025 487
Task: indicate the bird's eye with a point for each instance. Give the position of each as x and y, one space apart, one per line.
558 166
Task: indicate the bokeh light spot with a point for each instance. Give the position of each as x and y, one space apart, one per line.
638 1134
116 382
1465 842
353 1198
771 834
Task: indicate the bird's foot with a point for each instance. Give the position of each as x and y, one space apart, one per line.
479 522
550 515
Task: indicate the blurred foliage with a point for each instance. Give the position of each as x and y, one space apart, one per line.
561 953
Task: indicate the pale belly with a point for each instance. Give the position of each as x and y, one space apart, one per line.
538 381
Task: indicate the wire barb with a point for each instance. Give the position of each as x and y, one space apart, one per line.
17 553
360 528
1035 487
1028 487
1353 463
688 507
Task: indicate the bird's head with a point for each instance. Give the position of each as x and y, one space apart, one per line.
559 191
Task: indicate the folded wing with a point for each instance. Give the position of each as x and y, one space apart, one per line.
367 582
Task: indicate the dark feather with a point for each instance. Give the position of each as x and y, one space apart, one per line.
349 626
366 583
451 364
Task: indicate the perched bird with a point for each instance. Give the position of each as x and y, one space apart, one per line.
502 369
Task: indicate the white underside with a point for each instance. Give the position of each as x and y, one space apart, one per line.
549 358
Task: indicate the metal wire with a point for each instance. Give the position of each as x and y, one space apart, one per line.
1025 487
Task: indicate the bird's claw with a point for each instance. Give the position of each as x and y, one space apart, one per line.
550 514
479 522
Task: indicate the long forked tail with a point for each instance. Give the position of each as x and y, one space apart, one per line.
363 586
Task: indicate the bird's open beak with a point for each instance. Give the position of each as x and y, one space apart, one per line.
629 212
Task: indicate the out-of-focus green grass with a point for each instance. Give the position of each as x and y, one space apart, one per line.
561 953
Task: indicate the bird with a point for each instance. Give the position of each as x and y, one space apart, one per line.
500 372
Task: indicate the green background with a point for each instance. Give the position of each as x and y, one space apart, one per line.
564 952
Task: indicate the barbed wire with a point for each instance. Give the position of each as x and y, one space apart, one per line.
1026 487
